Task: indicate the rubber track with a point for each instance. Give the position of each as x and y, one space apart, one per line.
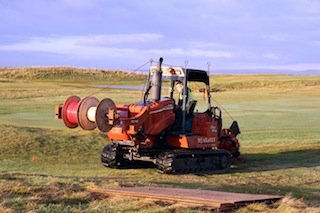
193 161
109 156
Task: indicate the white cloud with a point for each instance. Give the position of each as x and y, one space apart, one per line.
102 40
63 44
276 37
101 46
206 45
307 7
79 4
189 52
317 43
52 44
272 56
231 31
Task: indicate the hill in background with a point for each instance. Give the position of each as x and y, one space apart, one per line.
218 82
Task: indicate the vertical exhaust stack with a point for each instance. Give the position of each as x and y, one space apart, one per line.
156 82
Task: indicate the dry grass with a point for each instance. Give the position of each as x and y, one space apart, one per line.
62 73
239 82
285 205
36 193
218 82
25 192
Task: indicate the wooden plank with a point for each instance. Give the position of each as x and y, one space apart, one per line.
132 194
189 197
197 193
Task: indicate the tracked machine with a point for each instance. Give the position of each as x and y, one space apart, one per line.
152 130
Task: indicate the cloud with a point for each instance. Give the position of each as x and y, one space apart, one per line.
231 32
79 4
103 40
276 37
61 44
307 7
122 46
272 56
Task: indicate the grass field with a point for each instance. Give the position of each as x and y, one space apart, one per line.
278 116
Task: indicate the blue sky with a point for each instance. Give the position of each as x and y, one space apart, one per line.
282 35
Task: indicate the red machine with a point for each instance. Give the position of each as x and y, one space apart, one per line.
153 130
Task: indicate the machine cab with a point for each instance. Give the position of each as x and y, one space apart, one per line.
194 81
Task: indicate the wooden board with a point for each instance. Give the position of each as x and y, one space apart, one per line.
189 197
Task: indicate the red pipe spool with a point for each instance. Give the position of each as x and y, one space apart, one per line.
70 111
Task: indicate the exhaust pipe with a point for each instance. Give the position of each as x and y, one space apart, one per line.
157 82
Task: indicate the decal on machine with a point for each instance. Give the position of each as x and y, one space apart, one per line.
213 128
203 140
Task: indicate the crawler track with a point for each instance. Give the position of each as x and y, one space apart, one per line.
109 156
193 161
175 161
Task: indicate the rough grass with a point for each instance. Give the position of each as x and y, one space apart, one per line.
45 167
26 192
63 73
218 82
41 193
239 82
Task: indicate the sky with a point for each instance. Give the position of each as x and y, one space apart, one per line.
233 36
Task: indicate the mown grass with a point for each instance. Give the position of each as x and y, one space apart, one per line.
279 140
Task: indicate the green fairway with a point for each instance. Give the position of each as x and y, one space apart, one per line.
278 117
